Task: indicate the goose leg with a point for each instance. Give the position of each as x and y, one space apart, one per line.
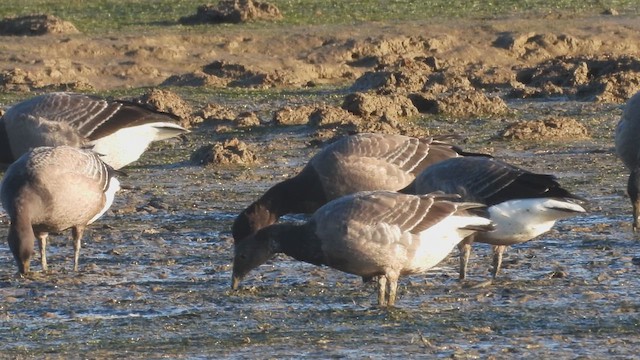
465 250
393 288
77 232
498 250
42 244
382 288
633 189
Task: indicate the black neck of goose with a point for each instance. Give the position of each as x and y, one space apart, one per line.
299 242
6 157
301 194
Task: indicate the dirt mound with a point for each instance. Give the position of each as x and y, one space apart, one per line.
551 128
374 105
169 102
533 46
217 113
37 24
233 11
49 79
603 79
231 151
462 103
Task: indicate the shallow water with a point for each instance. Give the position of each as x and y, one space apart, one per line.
155 273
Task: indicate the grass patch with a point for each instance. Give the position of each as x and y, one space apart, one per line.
101 16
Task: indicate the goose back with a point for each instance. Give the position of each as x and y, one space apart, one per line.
119 130
489 181
361 162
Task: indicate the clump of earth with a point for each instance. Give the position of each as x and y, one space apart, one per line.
232 151
35 24
233 11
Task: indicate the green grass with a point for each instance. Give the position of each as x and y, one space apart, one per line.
98 16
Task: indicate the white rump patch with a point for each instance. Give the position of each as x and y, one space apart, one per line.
521 220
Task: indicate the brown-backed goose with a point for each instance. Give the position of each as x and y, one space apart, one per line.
522 204
628 149
51 189
361 162
372 234
118 130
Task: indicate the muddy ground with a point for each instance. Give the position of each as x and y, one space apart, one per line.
155 270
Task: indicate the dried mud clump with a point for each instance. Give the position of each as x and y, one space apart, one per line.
169 102
289 115
37 24
464 103
533 46
373 105
605 79
321 115
215 112
24 81
196 79
231 151
233 11
247 119
551 128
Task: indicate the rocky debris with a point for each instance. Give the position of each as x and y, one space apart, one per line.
232 151
550 128
233 11
170 102
36 24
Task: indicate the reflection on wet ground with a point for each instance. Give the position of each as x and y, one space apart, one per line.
155 274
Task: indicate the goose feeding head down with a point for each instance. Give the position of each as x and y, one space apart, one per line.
380 234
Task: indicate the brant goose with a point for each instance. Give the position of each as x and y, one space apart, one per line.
51 189
522 204
361 162
379 234
120 131
628 149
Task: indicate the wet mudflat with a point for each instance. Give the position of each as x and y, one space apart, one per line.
155 270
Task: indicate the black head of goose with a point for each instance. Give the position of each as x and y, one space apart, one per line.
522 204
627 139
361 162
51 189
372 234
119 130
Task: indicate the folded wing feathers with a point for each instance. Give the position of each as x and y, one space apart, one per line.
410 213
92 116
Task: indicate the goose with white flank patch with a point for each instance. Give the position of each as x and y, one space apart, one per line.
120 131
361 162
51 189
372 234
628 149
522 204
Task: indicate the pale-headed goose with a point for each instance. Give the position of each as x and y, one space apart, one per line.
360 162
51 189
118 130
628 149
522 204
380 234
